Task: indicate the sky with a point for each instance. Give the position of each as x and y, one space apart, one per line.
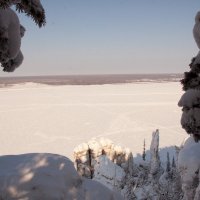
109 37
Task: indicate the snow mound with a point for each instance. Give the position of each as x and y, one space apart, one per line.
190 98
46 177
108 173
189 166
190 121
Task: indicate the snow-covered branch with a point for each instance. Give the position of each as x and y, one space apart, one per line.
11 31
31 8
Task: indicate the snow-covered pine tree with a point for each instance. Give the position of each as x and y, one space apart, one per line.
11 31
190 101
189 160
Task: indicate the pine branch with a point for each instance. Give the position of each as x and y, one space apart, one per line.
8 3
34 9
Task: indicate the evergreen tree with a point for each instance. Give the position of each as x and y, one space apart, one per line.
11 31
190 101
168 167
144 151
188 161
173 163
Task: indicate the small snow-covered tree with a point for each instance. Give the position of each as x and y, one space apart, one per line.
11 31
173 163
144 151
154 154
168 167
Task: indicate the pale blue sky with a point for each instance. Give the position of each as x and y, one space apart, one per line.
110 36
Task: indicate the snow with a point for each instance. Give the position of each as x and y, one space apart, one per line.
47 177
95 190
190 120
189 166
196 32
196 35
189 155
56 119
190 98
108 173
10 33
106 163
154 153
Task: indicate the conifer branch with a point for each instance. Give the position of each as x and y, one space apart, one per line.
7 3
33 9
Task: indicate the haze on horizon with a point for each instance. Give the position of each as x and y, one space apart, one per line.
110 37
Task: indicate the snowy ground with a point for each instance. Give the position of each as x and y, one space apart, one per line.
42 118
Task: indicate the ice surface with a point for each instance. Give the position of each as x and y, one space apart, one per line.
56 119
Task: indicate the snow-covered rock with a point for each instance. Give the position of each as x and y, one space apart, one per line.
47 177
189 166
113 166
87 154
106 163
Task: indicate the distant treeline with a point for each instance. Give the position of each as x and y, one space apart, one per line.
91 79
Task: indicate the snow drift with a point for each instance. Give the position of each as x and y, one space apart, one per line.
47 177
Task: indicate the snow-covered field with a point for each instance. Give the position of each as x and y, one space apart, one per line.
43 118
